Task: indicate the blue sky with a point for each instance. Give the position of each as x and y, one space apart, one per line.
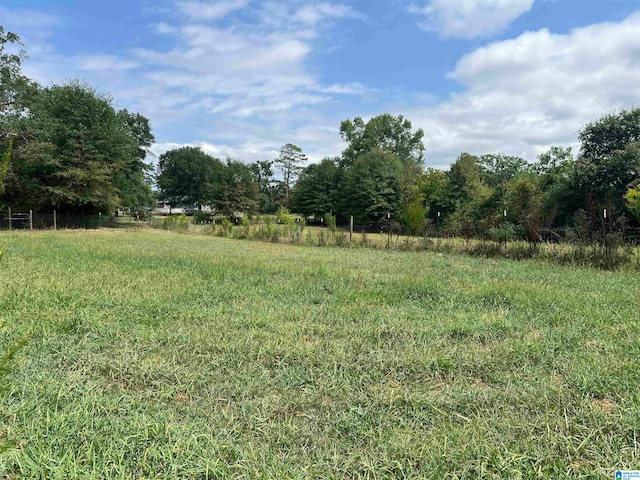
244 77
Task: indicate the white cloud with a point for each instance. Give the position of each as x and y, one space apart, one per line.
469 18
103 62
211 10
347 89
27 20
312 14
537 90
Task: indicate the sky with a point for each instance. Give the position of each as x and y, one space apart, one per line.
241 78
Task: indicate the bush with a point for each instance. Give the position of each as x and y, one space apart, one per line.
173 223
505 233
331 221
202 217
283 216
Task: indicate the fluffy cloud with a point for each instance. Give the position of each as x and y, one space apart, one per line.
210 10
312 14
248 86
537 90
469 18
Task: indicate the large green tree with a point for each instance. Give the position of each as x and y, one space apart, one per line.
556 170
262 172
76 146
370 188
189 177
434 185
610 134
290 163
16 90
384 133
134 180
315 190
469 197
497 169
238 192
609 160
524 204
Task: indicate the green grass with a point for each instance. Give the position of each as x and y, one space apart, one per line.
158 355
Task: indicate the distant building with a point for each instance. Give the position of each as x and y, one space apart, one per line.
165 208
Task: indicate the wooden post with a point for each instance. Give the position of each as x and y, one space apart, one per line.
351 230
30 219
10 219
55 220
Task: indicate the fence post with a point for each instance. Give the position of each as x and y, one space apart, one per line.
506 240
351 229
30 219
389 222
10 220
55 220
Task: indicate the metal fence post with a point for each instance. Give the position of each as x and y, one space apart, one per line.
10 220
351 230
55 220
30 219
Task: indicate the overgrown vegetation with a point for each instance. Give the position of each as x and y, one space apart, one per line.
198 357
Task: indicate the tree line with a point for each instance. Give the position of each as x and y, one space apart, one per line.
381 173
66 147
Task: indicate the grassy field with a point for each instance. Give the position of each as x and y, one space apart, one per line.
157 355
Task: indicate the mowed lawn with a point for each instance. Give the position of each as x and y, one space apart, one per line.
158 355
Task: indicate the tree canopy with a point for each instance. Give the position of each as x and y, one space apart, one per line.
385 133
290 163
188 176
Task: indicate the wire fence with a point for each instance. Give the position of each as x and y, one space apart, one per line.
57 221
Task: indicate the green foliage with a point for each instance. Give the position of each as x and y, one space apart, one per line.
76 154
4 164
414 217
188 176
172 223
330 220
370 188
290 163
283 216
610 134
203 217
134 180
633 201
385 133
497 170
610 160
314 192
237 193
16 90
524 202
434 185
263 175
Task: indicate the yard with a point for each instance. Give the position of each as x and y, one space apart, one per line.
158 355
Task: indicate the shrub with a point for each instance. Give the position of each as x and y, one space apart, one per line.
331 221
202 217
283 216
